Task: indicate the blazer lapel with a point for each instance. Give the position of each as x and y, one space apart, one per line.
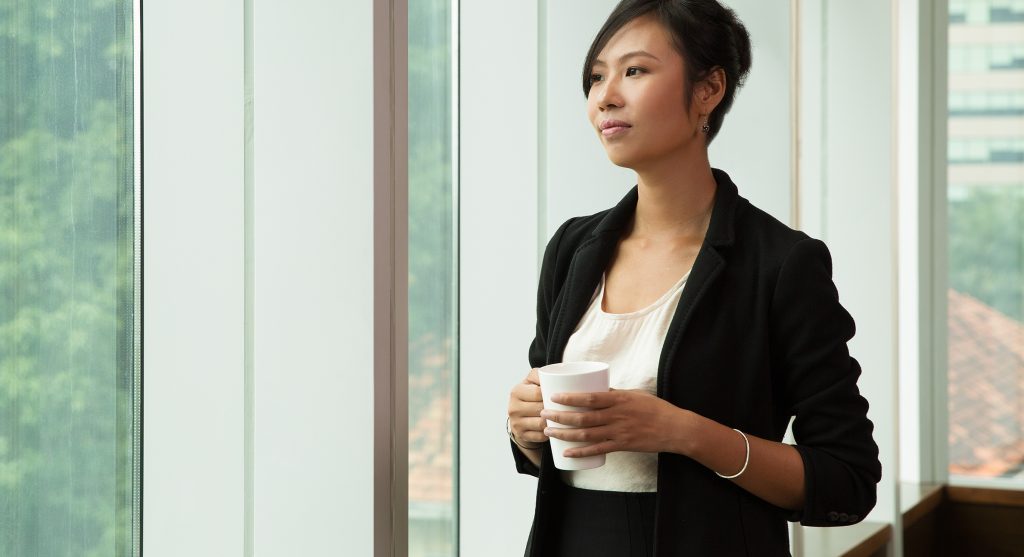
593 255
588 262
707 268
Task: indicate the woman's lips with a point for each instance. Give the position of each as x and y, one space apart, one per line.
614 130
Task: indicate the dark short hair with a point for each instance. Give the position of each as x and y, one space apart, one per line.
705 33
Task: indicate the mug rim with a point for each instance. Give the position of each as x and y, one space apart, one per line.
594 366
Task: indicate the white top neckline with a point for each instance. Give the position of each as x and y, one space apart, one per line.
640 312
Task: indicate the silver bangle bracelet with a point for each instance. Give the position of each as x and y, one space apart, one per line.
745 460
508 428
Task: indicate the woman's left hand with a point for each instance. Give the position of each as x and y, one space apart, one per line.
620 420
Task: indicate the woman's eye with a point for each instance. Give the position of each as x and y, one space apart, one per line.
597 77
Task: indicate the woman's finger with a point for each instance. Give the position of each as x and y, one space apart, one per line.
532 437
525 409
537 424
528 393
529 429
576 419
591 450
586 434
590 400
534 430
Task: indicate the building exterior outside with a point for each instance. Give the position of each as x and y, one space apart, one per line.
986 237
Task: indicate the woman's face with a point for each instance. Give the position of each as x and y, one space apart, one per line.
646 92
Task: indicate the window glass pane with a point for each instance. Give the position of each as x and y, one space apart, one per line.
432 285
68 306
986 252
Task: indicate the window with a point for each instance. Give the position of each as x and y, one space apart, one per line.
986 242
432 283
985 12
69 310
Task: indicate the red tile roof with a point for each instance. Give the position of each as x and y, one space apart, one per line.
986 389
430 452
431 422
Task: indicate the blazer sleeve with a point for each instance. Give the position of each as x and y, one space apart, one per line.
547 290
833 434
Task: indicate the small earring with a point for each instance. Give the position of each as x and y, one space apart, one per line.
705 128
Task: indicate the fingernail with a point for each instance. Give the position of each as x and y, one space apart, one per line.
547 431
544 413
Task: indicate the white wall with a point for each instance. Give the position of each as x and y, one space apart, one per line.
258 293
193 302
755 143
313 314
498 230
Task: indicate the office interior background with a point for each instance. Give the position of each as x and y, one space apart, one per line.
269 269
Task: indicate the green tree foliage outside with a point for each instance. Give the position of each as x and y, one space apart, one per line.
986 247
66 262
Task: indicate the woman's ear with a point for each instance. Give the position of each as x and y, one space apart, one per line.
711 89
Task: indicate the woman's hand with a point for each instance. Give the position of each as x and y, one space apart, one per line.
524 406
621 420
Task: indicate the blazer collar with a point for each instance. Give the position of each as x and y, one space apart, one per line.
592 256
720 229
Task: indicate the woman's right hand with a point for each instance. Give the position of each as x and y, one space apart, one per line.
524 406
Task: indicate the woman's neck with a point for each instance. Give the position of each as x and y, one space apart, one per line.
675 200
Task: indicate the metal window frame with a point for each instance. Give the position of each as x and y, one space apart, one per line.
391 270
933 242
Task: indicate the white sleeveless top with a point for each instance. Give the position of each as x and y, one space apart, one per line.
631 343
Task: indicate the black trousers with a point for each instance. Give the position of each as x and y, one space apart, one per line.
606 524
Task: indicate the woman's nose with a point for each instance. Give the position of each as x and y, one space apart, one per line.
609 94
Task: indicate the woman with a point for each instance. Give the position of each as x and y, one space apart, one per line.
720 324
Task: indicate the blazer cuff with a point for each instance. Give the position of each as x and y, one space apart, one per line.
844 498
523 465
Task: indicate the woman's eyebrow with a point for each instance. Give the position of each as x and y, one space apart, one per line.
632 54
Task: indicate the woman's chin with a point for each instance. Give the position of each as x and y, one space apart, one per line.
618 160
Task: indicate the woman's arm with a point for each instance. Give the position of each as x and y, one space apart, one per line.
775 471
636 420
810 330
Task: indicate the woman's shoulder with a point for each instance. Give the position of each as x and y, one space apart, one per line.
575 231
761 233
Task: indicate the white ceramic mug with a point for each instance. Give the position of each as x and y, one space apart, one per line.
572 377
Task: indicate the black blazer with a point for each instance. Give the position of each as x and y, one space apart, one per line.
758 336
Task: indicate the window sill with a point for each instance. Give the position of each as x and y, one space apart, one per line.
863 539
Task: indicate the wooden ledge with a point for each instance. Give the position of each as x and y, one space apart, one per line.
876 535
917 500
985 496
